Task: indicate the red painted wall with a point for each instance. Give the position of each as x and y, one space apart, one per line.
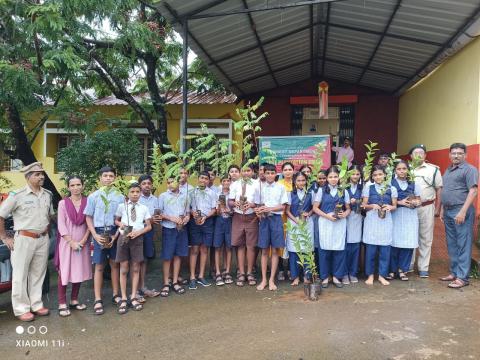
376 112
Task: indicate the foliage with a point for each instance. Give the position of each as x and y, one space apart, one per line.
303 243
390 170
5 184
105 192
249 127
343 177
369 159
117 148
122 184
413 164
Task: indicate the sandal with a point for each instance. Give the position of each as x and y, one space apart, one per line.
141 299
219 280
165 291
122 307
241 280
151 293
98 310
390 276
402 276
64 311
178 288
458 283
448 278
116 299
137 306
251 280
228 278
180 281
79 307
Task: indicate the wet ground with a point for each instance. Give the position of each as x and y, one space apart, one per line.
419 319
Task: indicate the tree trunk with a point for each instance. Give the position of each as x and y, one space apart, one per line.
23 151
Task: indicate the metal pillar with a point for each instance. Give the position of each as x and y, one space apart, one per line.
183 121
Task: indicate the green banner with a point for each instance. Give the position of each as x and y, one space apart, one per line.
298 150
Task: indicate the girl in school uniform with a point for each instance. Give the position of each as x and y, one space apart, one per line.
405 222
378 232
354 227
318 184
333 229
300 205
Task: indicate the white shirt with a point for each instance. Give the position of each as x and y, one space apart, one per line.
333 192
142 214
236 192
272 195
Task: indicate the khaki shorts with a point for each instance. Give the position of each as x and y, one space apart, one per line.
132 250
244 230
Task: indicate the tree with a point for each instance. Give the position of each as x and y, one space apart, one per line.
117 148
52 51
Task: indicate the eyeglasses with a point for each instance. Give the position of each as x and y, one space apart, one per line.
456 153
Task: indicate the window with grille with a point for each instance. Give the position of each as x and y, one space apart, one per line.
143 164
8 164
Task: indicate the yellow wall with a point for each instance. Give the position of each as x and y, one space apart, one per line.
174 113
444 107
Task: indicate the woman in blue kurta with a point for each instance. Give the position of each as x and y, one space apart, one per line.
332 229
405 222
377 232
354 227
300 205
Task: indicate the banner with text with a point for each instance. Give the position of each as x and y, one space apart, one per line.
298 150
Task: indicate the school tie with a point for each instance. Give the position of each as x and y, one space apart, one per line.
134 213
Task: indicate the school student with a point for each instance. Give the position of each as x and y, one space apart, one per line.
272 199
299 208
99 220
175 208
244 223
130 245
222 238
288 169
405 222
354 227
203 209
333 228
151 202
234 173
377 231
318 184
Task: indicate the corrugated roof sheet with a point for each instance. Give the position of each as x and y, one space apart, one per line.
194 97
384 44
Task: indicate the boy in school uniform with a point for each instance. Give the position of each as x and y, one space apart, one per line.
151 202
244 223
203 208
175 208
100 220
273 199
133 220
222 238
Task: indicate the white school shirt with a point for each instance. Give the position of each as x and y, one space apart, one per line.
271 195
173 204
236 192
333 192
366 191
142 214
404 184
203 200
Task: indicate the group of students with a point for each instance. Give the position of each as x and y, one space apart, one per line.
246 213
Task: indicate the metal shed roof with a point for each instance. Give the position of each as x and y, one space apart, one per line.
382 44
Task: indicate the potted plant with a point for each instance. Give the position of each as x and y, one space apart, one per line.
303 243
104 195
343 184
385 185
122 186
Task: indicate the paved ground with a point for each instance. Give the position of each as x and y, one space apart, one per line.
420 319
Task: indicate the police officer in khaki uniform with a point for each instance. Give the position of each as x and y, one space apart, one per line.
31 208
429 180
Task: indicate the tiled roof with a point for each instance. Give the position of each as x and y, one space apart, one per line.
194 97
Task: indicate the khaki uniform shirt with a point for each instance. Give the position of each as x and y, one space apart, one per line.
30 211
428 180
